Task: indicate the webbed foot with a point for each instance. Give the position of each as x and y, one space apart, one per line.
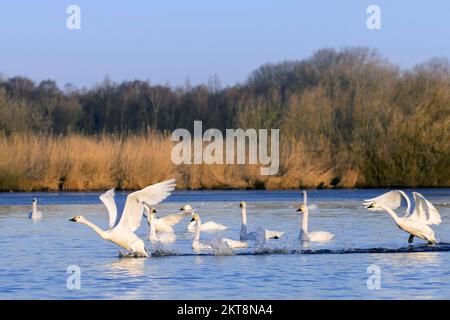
410 239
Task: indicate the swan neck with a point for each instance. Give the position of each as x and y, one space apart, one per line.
34 207
304 224
244 216
152 235
99 231
198 225
391 213
243 234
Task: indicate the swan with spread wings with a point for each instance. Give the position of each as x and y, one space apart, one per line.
416 223
121 229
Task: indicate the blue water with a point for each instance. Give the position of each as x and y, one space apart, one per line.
34 256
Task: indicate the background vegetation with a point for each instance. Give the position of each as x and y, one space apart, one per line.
347 118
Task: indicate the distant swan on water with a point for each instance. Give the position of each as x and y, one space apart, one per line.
162 237
121 229
34 213
198 246
417 222
206 226
244 235
315 236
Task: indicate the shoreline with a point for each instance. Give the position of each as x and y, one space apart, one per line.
228 189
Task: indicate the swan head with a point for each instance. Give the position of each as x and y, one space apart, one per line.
302 209
77 219
372 205
195 217
242 204
186 207
34 200
150 211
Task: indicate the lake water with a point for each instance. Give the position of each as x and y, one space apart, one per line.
34 256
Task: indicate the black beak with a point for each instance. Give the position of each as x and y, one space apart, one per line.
73 219
370 206
240 205
298 210
182 209
192 219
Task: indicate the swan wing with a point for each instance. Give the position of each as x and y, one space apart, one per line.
234 244
424 210
271 234
152 195
174 218
108 200
391 199
260 236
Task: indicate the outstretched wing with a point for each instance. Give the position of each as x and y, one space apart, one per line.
391 199
175 218
152 195
108 200
424 210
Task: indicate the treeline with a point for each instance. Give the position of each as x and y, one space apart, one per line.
347 118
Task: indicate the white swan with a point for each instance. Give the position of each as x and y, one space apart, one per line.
206 226
121 230
417 222
198 246
34 213
244 235
165 224
315 236
163 237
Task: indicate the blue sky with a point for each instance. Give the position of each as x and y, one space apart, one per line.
172 40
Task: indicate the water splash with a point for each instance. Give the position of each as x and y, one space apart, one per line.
220 248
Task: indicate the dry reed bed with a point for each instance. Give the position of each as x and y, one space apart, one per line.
80 163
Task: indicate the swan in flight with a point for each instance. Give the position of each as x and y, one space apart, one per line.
34 213
198 246
206 226
244 235
121 229
417 222
163 237
315 236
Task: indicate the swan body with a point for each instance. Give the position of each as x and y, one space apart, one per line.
121 229
198 246
162 237
34 213
416 223
206 226
235 244
315 236
265 234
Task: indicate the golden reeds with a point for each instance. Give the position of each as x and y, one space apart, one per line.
77 162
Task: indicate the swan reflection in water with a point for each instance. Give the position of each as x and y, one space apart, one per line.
128 266
411 259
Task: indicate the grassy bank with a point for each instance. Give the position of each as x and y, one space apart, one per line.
81 163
